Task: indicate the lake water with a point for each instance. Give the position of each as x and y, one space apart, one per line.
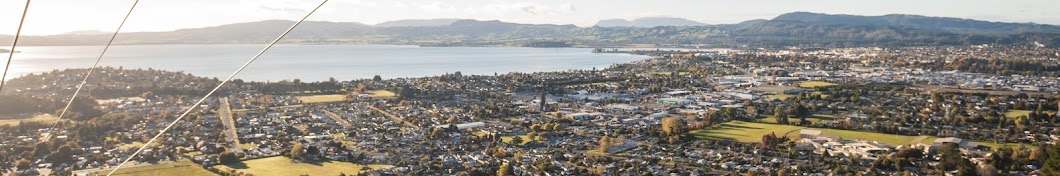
315 62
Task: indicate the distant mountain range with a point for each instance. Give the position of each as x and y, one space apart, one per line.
417 23
938 24
648 22
792 29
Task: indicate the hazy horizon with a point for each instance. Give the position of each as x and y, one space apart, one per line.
52 17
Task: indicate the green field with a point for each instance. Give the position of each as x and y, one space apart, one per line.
45 118
285 166
780 96
815 84
381 94
133 145
246 146
1016 113
186 168
753 132
819 93
773 120
321 98
1013 113
508 139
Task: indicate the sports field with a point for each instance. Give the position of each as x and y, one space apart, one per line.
176 168
285 166
381 94
45 118
322 98
753 132
815 84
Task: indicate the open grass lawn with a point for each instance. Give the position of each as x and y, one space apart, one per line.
45 118
508 139
780 96
285 166
186 168
195 153
133 145
247 146
381 94
773 120
1016 113
819 93
815 84
338 135
322 98
752 132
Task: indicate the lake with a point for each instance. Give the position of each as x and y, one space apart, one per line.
316 62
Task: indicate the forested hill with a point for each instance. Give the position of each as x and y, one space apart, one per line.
792 29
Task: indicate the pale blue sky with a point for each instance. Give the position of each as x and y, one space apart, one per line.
60 16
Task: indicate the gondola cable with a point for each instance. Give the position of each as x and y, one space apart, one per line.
90 71
216 88
11 53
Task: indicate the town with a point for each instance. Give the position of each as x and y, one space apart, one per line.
960 110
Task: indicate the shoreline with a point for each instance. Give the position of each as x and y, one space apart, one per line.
547 63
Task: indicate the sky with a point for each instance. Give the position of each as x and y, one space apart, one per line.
47 17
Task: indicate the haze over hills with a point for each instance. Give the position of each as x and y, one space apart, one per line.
648 22
418 22
940 24
792 29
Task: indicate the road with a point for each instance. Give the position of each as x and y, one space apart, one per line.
338 118
395 118
225 113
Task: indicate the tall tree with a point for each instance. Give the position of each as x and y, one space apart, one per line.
505 170
1052 164
605 143
296 151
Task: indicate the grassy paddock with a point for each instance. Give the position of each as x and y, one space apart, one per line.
773 120
285 166
780 96
1016 113
381 94
177 168
45 118
753 132
815 84
321 98
508 139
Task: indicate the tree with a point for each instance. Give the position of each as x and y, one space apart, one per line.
22 164
605 144
296 151
63 154
505 170
517 140
229 157
377 78
673 125
1052 164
